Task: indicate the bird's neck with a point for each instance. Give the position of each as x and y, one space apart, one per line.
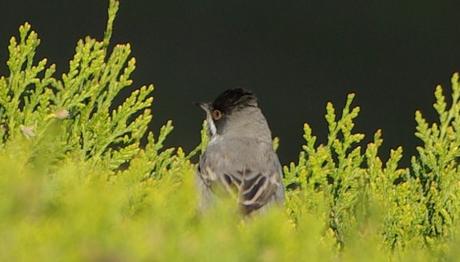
251 124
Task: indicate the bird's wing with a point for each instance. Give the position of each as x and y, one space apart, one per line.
249 170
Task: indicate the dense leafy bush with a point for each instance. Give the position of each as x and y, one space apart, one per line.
75 183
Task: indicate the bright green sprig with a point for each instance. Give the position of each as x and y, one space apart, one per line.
436 167
24 95
33 102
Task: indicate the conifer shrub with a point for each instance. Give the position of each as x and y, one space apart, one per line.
76 183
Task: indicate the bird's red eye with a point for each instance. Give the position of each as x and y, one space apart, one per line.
216 114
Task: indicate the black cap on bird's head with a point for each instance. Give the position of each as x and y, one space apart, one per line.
234 98
231 99
227 103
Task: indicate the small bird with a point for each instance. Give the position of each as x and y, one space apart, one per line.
239 159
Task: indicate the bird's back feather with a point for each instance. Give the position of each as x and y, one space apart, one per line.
238 166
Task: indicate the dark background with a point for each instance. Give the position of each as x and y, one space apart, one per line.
296 55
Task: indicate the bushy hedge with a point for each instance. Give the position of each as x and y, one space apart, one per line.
76 184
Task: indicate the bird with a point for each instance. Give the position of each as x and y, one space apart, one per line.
239 159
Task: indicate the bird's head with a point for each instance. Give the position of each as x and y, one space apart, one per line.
230 108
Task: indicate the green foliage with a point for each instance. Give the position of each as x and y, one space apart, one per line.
354 190
77 107
76 184
436 168
332 169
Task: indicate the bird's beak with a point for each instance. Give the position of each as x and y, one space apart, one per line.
204 106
